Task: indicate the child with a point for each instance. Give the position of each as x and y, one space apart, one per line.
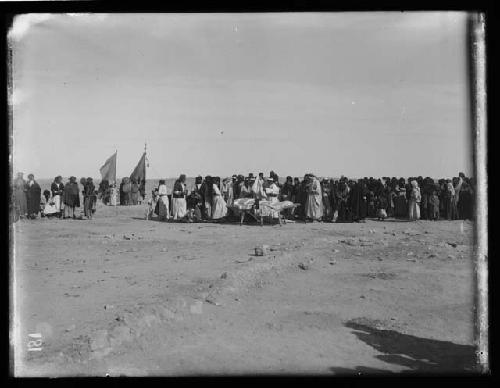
152 204
381 203
194 204
434 205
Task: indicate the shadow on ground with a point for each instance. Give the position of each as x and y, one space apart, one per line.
420 355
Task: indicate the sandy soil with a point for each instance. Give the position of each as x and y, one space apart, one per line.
120 295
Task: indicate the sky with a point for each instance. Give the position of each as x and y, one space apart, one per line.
355 94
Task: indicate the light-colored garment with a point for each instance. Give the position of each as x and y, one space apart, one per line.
179 205
56 199
414 202
113 196
272 192
163 206
314 204
50 207
219 207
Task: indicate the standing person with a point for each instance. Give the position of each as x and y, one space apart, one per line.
333 199
127 188
414 203
20 200
194 205
89 198
342 201
112 194
208 194
400 203
272 193
71 198
122 194
219 207
327 205
163 205
314 204
134 192
433 210
104 191
57 188
465 204
449 201
142 190
179 205
33 197
356 201
287 194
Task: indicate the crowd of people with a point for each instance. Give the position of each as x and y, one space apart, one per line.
319 199
60 201
213 199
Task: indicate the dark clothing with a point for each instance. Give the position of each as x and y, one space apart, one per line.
287 192
134 194
56 188
357 203
33 196
89 198
71 195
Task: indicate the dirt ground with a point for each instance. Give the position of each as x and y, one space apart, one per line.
120 295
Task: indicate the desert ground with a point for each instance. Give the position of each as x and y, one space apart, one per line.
121 295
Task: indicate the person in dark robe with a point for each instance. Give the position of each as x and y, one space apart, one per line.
57 188
194 206
103 191
71 198
465 202
20 200
333 198
122 194
89 198
343 201
354 201
134 192
33 196
302 197
286 194
127 188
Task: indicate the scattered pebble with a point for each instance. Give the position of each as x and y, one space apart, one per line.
303 266
108 306
362 297
452 244
224 275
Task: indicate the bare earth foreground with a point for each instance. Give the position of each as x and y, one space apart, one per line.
120 295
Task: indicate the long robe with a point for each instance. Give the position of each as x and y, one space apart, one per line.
163 203
57 190
33 196
89 198
20 201
179 205
414 204
314 204
134 194
219 208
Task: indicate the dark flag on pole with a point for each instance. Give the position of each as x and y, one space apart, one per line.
108 170
139 174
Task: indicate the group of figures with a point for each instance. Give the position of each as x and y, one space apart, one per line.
131 192
60 201
326 200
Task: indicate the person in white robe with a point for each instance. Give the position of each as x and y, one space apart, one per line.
219 207
112 195
163 206
272 192
314 204
179 204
